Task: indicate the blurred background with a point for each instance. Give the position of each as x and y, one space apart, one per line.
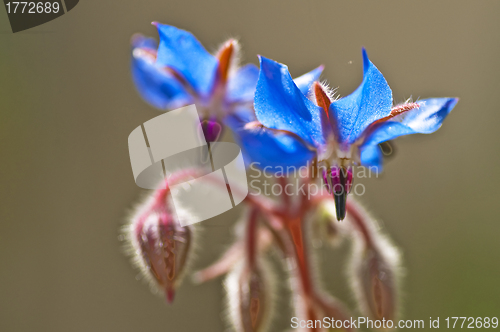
68 105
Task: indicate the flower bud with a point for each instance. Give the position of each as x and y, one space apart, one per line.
160 246
249 297
375 280
211 129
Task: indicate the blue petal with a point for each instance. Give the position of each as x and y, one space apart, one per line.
155 86
429 116
305 81
180 50
371 156
279 104
423 120
386 131
241 85
139 40
269 151
371 101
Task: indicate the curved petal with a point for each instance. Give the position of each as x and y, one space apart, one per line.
268 151
155 86
371 101
181 50
371 156
305 81
279 104
429 116
423 120
139 40
386 131
241 85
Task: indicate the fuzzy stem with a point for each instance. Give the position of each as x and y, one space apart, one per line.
252 238
357 215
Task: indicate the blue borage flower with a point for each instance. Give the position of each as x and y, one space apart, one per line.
179 71
260 144
293 130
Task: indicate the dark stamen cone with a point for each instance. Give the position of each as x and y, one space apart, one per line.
341 180
340 200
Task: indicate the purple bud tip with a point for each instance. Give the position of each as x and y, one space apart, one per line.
211 129
170 295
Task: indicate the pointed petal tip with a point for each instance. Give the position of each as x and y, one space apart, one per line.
452 102
366 60
156 24
262 59
319 69
267 64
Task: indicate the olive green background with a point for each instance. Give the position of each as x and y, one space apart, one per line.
68 105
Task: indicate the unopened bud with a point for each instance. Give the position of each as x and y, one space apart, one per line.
160 246
249 295
375 281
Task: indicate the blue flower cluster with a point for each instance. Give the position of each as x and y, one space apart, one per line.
279 121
